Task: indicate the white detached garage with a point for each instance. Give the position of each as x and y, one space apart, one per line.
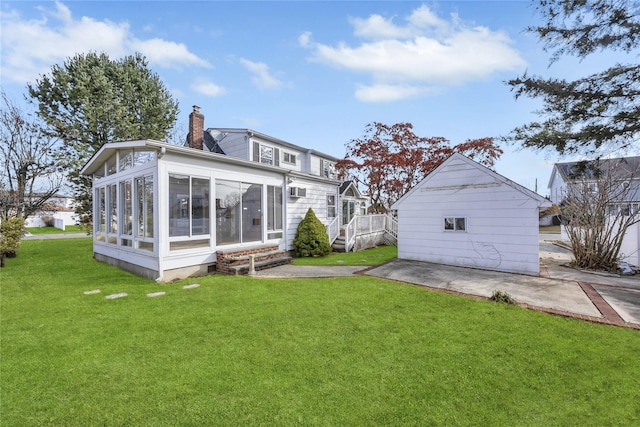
465 214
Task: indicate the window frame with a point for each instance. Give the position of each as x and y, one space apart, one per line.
289 158
328 169
331 206
274 229
451 224
203 237
257 153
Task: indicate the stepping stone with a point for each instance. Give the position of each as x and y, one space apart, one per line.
114 296
155 294
191 286
95 291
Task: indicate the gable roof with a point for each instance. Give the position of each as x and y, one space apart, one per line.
108 149
351 184
271 139
543 202
620 168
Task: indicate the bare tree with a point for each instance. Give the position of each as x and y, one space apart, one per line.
602 202
28 174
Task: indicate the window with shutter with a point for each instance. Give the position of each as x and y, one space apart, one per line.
256 152
266 154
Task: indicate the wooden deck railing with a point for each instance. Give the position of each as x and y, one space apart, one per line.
366 224
333 230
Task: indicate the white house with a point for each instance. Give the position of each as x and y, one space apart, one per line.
58 209
625 171
164 211
465 214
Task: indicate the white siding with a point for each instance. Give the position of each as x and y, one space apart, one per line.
556 187
502 222
236 145
300 157
297 208
630 248
314 165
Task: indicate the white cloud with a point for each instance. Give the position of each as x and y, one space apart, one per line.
387 93
31 47
304 39
262 79
167 54
208 88
425 52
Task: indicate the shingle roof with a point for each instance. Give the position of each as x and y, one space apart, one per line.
619 168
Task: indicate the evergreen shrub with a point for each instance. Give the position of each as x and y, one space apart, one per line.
311 237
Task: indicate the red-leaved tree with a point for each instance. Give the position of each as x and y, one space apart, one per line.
389 160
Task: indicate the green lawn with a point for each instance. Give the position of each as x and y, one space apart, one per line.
372 256
331 352
69 229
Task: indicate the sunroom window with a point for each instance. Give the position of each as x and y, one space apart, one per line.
144 210
238 212
188 206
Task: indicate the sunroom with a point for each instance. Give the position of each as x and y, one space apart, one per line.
163 211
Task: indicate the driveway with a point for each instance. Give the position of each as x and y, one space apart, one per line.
549 293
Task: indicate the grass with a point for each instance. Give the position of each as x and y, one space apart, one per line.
372 256
250 351
69 229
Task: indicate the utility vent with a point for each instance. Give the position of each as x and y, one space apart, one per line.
297 192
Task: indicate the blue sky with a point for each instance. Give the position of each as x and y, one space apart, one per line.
313 73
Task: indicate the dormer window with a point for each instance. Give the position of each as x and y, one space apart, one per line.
289 158
266 154
327 169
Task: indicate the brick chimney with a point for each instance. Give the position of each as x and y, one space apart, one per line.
196 128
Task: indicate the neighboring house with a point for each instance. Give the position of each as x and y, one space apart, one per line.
465 214
165 212
57 211
624 169
627 171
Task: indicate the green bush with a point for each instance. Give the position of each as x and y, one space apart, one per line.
11 231
311 238
499 296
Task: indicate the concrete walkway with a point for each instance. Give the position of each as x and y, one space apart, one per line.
559 289
54 236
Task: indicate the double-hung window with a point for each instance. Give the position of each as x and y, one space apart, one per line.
331 205
266 154
327 169
289 158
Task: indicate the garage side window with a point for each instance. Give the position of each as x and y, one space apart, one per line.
455 224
